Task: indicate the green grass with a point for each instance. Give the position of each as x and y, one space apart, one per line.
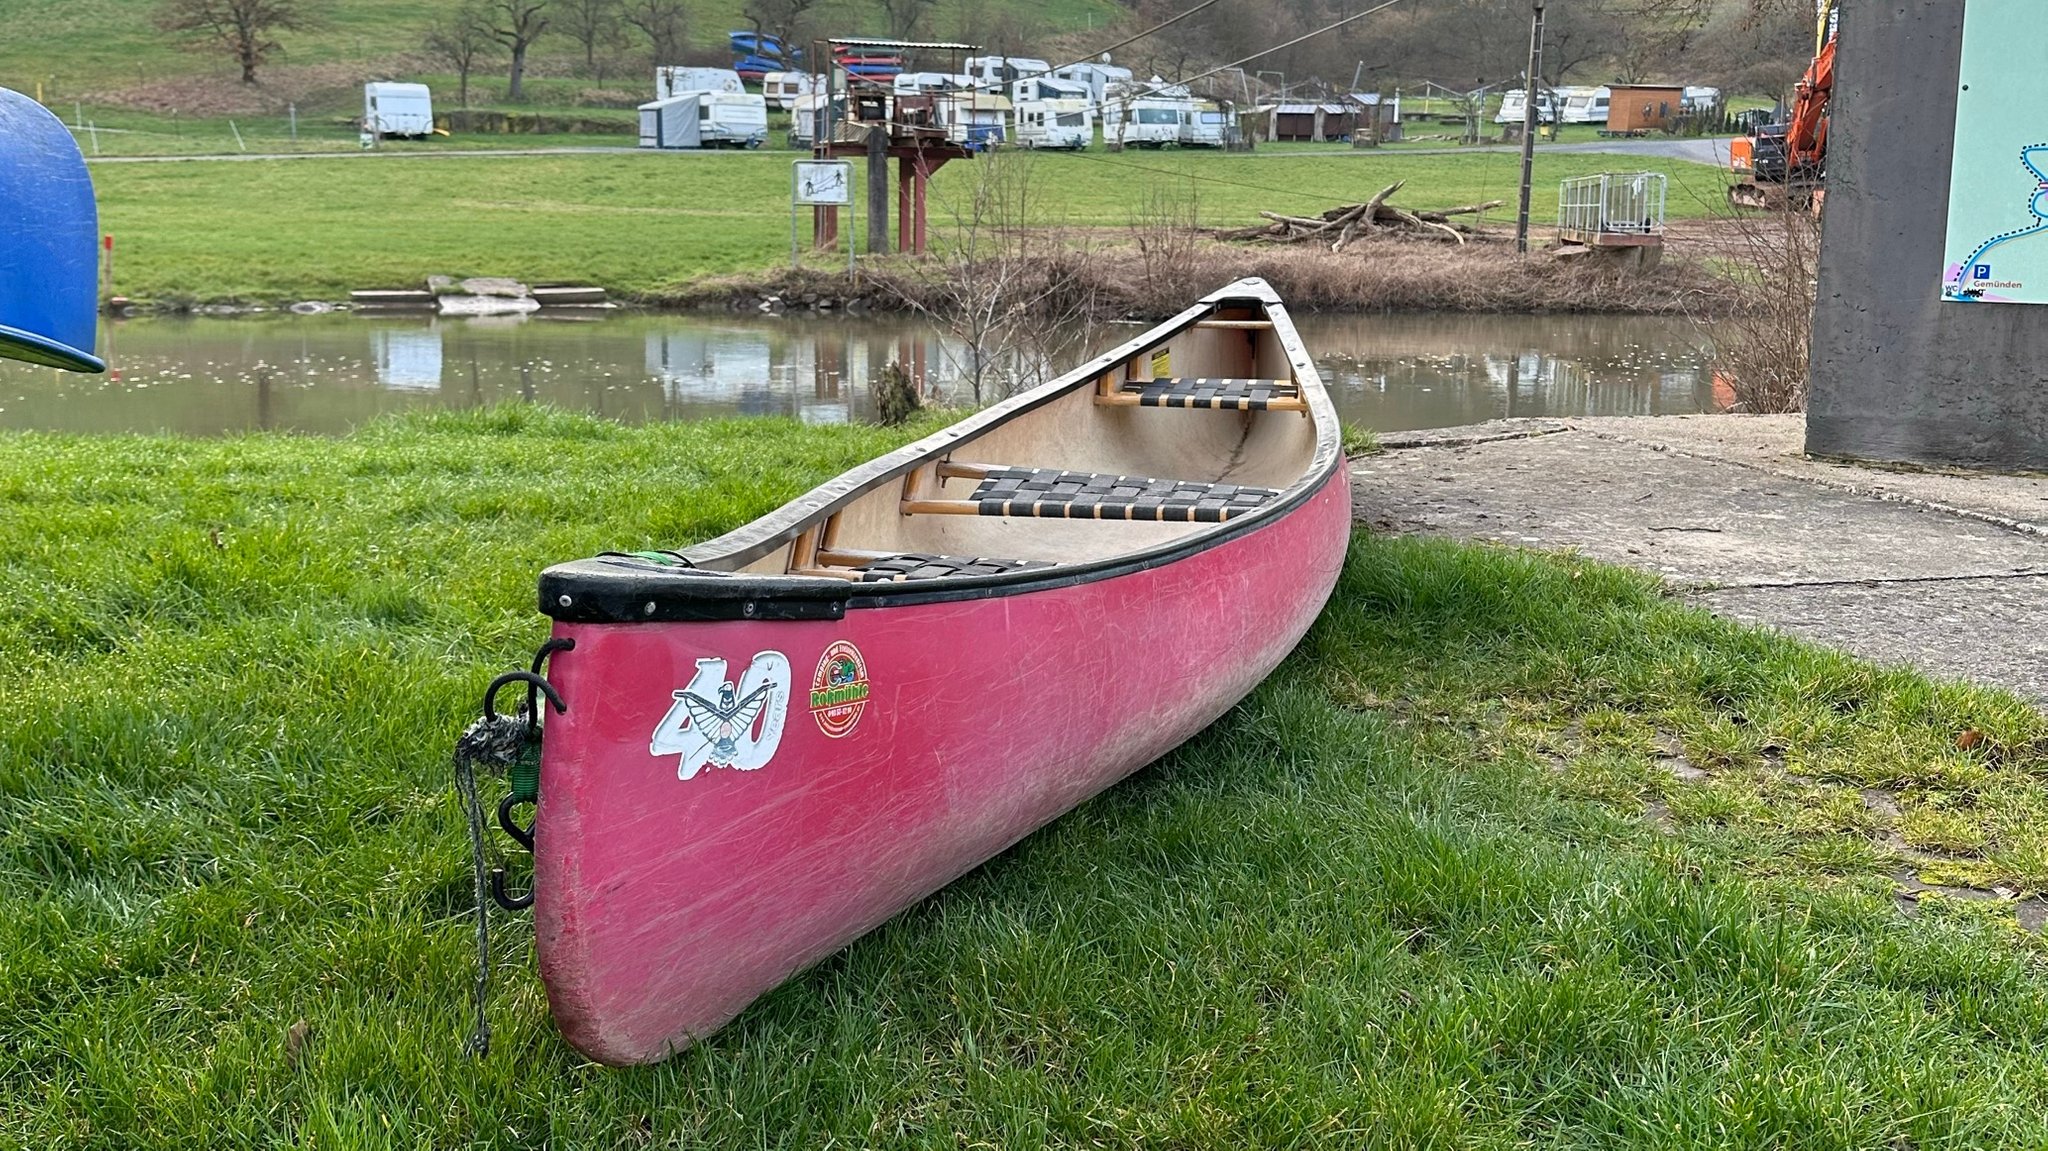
78 48
648 224
1406 895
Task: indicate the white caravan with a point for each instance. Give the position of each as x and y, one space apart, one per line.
783 89
704 120
1066 124
1145 115
1203 126
1097 78
1514 107
675 81
1584 105
928 83
993 72
398 110
977 120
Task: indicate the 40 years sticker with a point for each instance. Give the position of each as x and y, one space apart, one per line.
839 689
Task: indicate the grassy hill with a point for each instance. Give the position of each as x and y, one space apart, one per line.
110 52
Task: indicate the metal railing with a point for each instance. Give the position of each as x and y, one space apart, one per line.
1626 203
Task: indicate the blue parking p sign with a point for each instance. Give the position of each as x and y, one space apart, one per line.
1981 272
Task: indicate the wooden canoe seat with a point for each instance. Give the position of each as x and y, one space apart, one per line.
1208 392
1051 493
916 565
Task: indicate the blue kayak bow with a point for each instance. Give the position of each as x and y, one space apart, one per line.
49 241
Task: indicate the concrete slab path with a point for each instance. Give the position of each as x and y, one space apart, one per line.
1947 572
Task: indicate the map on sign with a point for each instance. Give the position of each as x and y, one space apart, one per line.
1997 249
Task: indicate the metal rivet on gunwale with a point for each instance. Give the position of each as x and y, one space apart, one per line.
748 610
649 609
562 601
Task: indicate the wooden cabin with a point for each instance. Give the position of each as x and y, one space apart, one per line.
1637 108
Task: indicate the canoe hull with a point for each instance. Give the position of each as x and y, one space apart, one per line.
891 751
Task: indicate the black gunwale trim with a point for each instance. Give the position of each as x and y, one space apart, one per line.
604 590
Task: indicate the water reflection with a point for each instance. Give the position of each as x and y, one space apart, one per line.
324 374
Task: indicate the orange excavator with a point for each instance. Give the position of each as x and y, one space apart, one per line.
1782 165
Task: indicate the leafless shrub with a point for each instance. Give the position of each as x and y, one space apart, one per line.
1762 346
1007 285
1163 228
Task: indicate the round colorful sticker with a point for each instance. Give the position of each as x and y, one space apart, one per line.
839 689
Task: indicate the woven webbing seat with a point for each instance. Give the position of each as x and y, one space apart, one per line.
1048 492
1210 392
915 565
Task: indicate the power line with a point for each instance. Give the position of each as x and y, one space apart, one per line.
1330 27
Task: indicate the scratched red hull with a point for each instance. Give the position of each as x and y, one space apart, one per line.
666 908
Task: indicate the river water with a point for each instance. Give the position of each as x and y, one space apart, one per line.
325 374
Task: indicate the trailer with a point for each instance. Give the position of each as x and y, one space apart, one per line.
977 121
783 89
1205 125
1097 78
1585 105
398 110
1145 115
990 71
1514 107
674 80
704 120
1067 124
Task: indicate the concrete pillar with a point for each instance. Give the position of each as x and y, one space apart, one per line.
1897 374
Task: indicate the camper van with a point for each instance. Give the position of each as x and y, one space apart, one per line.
783 88
1514 107
704 120
1096 78
1066 124
1583 105
1204 125
675 81
397 110
977 120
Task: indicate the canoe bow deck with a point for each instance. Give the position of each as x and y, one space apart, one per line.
779 738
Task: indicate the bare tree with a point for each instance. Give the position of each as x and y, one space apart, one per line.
778 18
904 16
461 39
665 23
516 24
244 27
593 23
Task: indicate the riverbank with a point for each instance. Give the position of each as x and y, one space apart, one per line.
654 226
1452 876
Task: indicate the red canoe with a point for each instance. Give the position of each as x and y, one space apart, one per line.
775 741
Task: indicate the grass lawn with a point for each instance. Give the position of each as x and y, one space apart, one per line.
1434 884
646 224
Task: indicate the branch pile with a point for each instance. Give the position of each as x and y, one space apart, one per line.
1341 225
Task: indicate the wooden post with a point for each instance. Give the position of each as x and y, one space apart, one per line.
878 189
1529 102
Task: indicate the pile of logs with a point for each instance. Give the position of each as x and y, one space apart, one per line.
1341 225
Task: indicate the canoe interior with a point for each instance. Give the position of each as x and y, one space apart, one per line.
1096 422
